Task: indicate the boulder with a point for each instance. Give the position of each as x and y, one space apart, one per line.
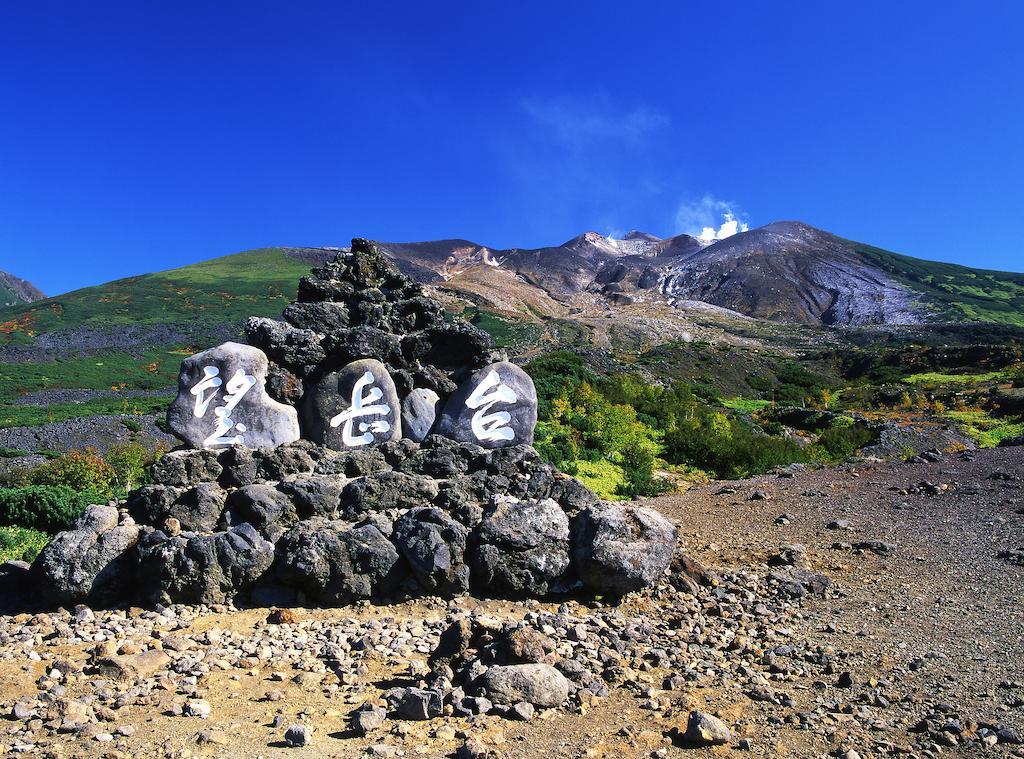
537 684
521 547
187 467
222 401
202 569
264 507
434 544
89 564
336 563
495 408
314 495
353 408
321 317
619 549
298 350
703 729
419 413
197 509
386 490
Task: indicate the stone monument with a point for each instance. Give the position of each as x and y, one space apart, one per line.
366 446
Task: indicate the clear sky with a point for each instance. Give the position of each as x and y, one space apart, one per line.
139 136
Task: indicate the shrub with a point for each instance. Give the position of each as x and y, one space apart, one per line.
49 508
21 544
838 443
727 448
83 470
638 468
128 462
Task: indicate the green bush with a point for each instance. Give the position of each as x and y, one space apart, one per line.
21 544
839 443
85 471
638 467
129 463
727 448
49 508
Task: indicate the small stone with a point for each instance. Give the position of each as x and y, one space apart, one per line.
703 729
523 711
845 680
197 707
367 720
297 736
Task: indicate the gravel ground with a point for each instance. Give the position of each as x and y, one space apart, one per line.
855 612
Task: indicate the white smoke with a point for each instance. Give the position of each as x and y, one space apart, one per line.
710 219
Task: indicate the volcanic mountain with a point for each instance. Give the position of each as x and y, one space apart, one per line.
785 272
14 290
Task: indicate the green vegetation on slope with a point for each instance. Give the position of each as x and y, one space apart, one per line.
956 292
223 290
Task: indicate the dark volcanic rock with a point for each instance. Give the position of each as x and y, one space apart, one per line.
522 547
202 569
619 549
354 407
496 407
434 544
335 563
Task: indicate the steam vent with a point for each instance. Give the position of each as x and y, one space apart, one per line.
364 447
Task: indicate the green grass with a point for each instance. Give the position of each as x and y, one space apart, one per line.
152 370
507 333
19 543
223 290
32 416
603 477
748 406
986 430
939 378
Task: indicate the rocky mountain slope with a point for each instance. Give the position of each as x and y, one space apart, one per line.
785 272
14 290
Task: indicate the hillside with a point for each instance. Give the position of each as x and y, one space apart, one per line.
14 290
657 302
218 291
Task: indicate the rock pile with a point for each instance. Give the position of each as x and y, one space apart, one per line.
414 473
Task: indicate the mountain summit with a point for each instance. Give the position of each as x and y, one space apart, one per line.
14 290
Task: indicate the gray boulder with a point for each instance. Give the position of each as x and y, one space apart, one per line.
386 490
202 569
353 408
495 408
222 401
89 564
419 413
264 507
537 684
522 547
333 562
197 509
314 495
619 549
434 544
296 349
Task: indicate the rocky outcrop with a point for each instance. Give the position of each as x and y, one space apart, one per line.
385 495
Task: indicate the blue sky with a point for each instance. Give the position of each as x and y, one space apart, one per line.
139 136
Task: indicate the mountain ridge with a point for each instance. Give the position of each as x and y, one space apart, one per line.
785 272
15 290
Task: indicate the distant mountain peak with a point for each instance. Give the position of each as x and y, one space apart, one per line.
15 290
636 234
